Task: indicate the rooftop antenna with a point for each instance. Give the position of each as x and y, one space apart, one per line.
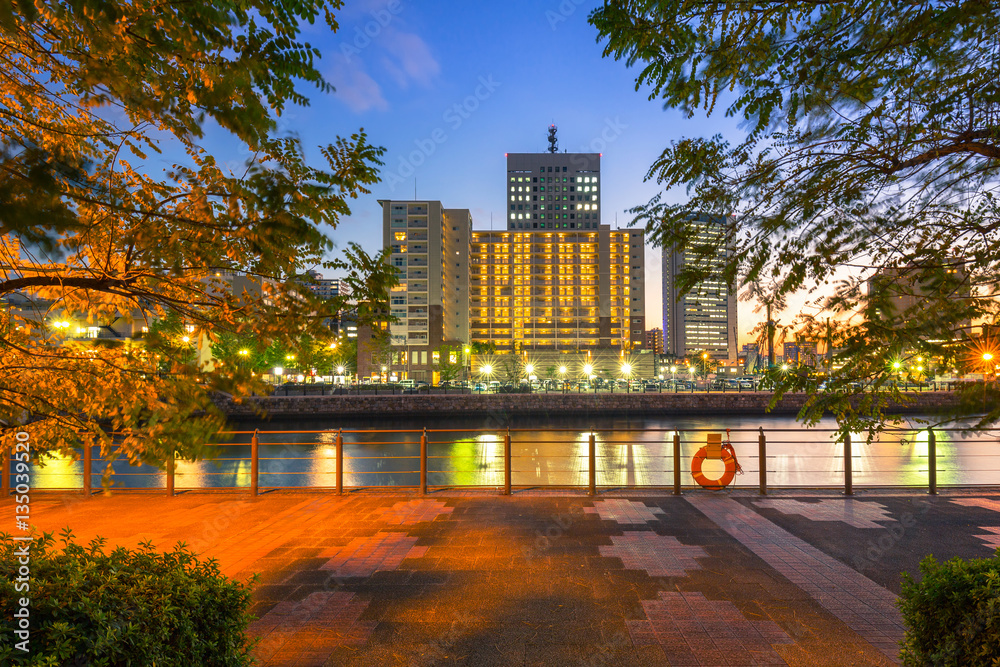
553 142
414 189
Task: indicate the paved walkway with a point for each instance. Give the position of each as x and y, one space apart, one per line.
558 579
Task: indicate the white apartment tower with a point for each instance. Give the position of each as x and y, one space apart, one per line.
430 249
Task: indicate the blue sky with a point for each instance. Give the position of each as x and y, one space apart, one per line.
449 87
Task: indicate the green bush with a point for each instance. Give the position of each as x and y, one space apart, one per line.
952 615
127 607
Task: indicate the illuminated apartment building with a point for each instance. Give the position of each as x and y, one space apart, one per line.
556 279
557 290
704 319
430 250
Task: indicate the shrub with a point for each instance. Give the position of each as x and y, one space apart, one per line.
952 615
126 607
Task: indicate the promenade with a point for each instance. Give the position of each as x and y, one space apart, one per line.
558 578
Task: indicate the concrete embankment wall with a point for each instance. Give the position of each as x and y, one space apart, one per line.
278 407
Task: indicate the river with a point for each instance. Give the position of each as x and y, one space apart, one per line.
545 452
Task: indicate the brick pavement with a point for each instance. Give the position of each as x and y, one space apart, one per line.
857 513
864 606
694 631
539 579
624 511
657 555
985 503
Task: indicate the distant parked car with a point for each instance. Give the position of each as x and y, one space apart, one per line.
651 387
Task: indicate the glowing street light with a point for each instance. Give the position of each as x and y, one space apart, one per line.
627 373
588 370
186 339
244 353
340 370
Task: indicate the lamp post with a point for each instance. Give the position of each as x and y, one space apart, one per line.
486 370
627 374
562 373
987 358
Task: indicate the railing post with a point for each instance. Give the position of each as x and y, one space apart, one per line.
340 462
254 464
931 462
423 463
677 464
88 467
5 471
506 463
762 456
593 464
170 475
848 472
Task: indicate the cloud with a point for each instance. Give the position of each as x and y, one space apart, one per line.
355 87
413 59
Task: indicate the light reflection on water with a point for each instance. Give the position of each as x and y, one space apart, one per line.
640 456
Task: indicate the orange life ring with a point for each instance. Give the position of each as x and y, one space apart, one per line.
728 457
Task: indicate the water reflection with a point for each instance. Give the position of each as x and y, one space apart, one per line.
630 452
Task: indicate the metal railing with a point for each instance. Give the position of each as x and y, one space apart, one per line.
593 469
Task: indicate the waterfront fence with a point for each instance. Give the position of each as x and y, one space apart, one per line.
507 460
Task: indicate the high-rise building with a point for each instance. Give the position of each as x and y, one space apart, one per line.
326 288
558 290
907 295
553 191
704 319
790 352
430 249
654 340
557 279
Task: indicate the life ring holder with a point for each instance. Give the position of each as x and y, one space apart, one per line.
728 458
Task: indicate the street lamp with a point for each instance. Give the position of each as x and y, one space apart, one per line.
627 374
562 372
486 370
987 357
278 372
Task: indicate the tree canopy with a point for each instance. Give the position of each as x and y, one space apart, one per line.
872 145
96 234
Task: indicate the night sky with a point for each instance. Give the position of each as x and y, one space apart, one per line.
449 87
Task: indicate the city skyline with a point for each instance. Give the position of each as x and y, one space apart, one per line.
449 102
